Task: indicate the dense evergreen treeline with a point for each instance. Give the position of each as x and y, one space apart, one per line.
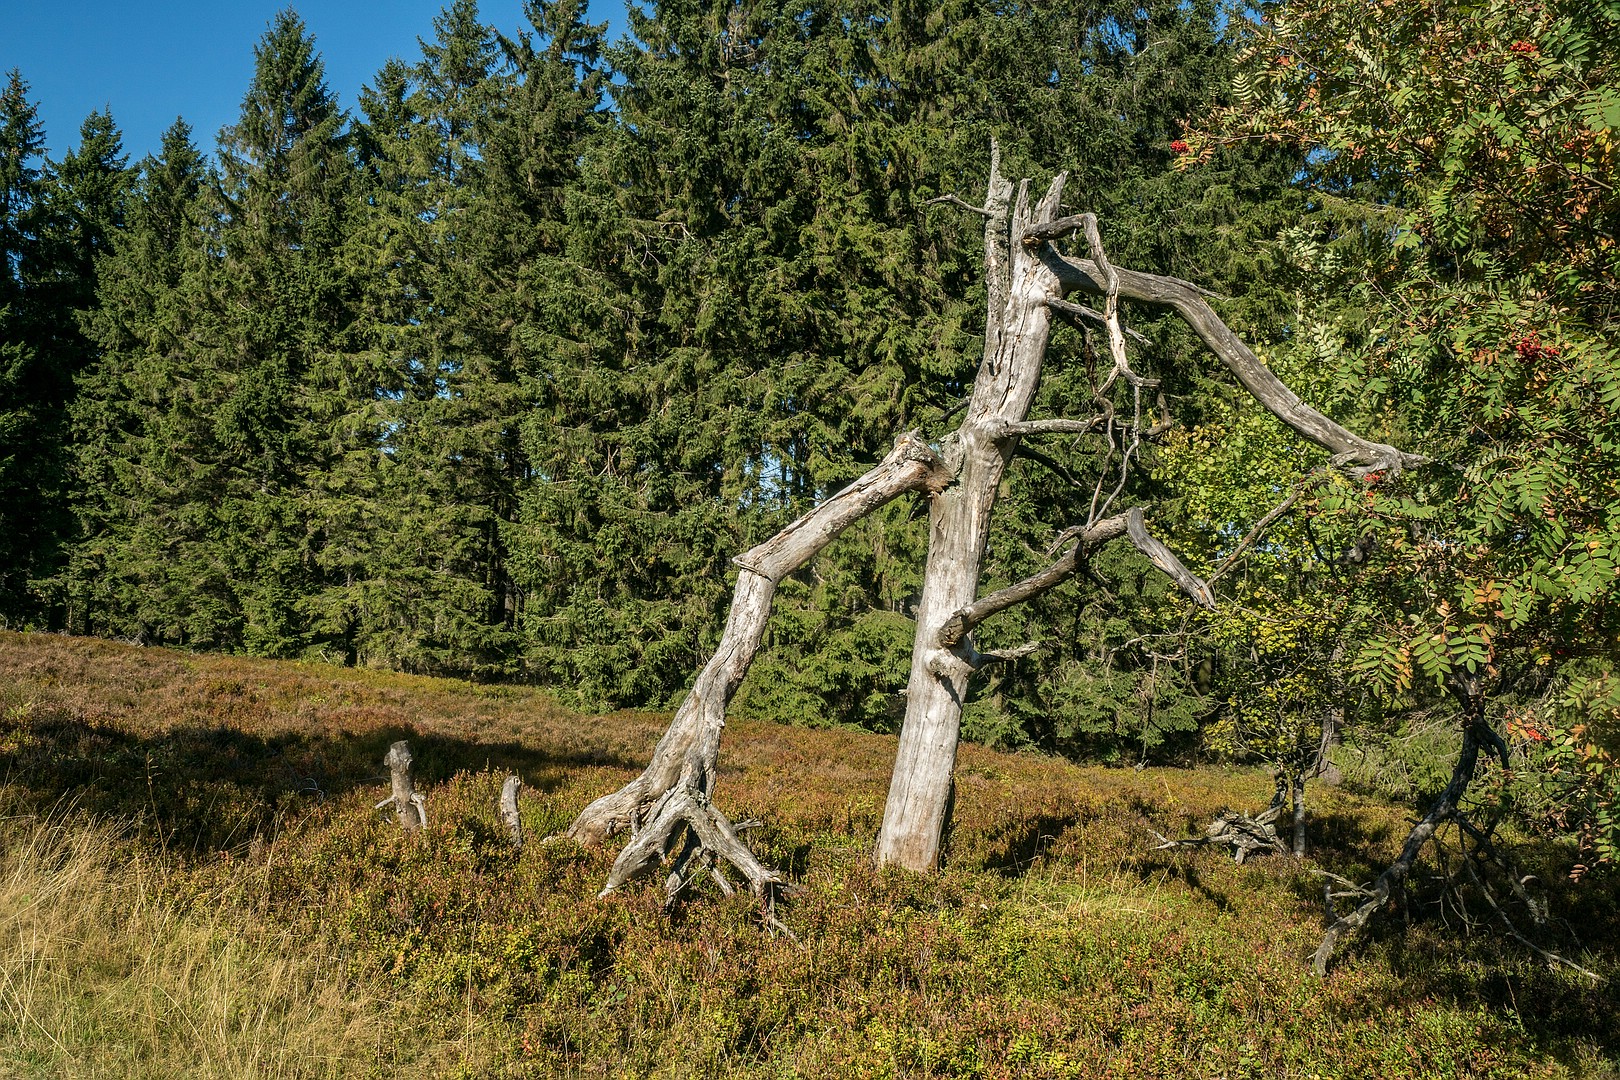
495 376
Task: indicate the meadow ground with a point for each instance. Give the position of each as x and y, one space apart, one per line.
194 882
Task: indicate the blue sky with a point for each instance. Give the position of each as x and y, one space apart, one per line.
152 62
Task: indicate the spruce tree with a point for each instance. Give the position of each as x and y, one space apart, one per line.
60 221
26 385
143 431
428 594
236 389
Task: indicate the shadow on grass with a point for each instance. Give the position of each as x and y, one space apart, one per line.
1185 867
1015 847
1562 1011
1343 839
201 789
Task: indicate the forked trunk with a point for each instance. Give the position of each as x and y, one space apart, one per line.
668 809
1017 327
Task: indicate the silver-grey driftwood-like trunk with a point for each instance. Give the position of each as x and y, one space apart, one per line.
668 808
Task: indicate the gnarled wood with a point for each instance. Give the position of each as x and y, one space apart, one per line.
1188 301
672 793
668 807
409 806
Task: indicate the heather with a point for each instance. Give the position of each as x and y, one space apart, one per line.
195 879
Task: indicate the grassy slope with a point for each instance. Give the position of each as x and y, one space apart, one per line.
193 881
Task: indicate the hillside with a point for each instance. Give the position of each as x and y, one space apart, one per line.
193 879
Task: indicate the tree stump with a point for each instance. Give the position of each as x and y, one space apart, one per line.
509 810
409 806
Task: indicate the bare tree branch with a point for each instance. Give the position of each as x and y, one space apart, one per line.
1052 427
1259 380
958 202
1128 524
1165 560
962 622
1257 531
1076 312
1006 655
670 799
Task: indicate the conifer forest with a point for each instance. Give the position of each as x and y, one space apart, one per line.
529 369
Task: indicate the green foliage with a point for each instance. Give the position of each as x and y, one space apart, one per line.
1279 681
497 379
56 220
1460 158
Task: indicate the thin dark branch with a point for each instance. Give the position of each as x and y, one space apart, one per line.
1052 464
1377 894
1257 531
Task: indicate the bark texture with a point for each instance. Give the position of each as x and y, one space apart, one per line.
509 810
409 806
1018 324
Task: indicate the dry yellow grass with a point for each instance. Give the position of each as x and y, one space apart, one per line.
100 976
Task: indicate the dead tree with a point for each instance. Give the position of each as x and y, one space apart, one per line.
1252 834
668 809
1472 866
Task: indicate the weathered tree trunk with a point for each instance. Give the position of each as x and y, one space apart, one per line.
409 806
1017 327
1296 798
509 810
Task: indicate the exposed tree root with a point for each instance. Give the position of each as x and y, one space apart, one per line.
707 843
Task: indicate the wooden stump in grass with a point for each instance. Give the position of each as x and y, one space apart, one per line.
509 810
409 806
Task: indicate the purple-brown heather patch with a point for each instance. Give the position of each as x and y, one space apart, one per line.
1056 942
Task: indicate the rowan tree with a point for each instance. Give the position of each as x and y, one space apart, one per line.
1465 213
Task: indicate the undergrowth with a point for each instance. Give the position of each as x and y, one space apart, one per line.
196 882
